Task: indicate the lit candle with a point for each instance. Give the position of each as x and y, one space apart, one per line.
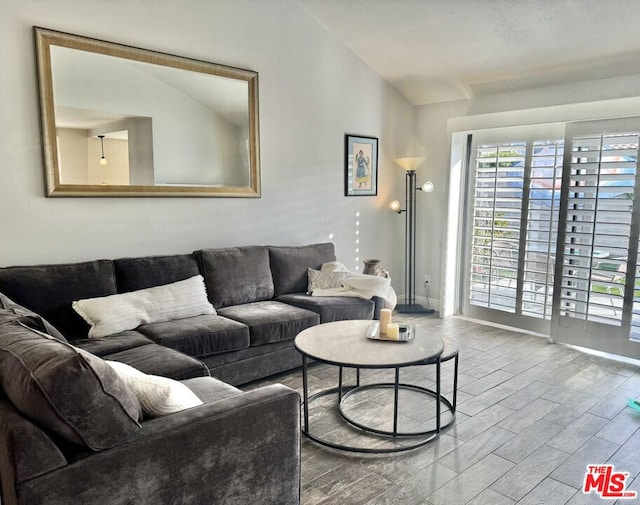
393 331
385 319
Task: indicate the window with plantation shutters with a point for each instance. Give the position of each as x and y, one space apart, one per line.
497 209
553 235
514 230
600 192
545 179
596 295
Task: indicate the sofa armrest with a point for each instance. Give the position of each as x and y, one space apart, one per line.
25 451
243 449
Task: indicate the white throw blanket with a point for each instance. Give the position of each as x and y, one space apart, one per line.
359 285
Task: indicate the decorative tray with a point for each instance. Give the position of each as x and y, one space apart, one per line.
407 332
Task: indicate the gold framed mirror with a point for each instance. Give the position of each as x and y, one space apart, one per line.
124 121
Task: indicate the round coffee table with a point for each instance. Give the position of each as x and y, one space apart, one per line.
345 344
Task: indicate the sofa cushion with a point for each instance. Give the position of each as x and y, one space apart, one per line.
30 318
289 265
199 336
271 321
115 343
49 290
211 390
158 360
158 396
112 314
254 363
332 308
66 390
148 271
236 275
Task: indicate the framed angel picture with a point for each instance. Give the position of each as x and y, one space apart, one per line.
360 165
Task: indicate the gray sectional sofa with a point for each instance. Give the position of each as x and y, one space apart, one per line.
259 293
237 448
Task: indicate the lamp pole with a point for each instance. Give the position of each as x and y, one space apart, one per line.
410 240
410 307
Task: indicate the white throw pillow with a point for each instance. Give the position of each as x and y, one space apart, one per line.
115 313
158 396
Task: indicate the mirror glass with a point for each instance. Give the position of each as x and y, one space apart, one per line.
123 121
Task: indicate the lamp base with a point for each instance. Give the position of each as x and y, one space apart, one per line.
413 308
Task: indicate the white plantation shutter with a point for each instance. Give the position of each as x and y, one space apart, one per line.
545 178
634 326
496 219
513 216
598 236
598 227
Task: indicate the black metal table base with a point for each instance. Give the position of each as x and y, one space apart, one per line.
343 392
396 433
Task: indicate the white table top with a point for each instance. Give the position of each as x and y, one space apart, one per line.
344 343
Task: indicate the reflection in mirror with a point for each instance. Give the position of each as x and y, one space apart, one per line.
124 121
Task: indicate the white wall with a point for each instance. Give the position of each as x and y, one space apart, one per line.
614 97
73 153
312 92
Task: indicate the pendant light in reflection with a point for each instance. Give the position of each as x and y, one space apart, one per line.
103 160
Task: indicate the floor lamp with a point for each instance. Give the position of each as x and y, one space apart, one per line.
409 165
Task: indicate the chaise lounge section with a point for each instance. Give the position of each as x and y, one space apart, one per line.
72 432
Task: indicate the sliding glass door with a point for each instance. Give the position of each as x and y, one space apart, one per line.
598 236
552 233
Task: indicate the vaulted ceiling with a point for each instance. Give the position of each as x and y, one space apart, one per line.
443 50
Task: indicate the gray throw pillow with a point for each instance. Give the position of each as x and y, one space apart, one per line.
30 318
289 265
67 391
325 280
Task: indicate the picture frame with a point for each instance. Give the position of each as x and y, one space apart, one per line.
360 165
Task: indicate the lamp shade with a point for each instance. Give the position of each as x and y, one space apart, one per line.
410 163
395 206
